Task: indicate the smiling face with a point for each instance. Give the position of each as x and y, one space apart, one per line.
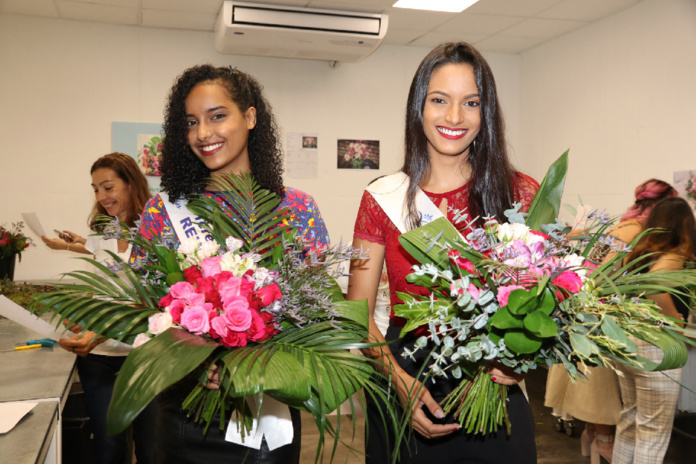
452 110
217 130
112 192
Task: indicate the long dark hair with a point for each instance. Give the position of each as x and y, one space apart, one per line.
128 171
491 185
677 234
182 172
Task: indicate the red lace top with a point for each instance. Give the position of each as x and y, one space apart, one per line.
373 225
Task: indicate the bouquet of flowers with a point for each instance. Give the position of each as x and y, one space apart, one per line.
514 295
253 302
13 241
151 157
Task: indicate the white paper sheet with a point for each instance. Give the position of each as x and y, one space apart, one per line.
12 412
275 425
21 316
34 224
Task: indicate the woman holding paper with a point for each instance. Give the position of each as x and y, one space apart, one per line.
218 121
456 156
120 192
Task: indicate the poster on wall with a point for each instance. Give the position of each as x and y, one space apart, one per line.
357 154
685 184
142 141
301 155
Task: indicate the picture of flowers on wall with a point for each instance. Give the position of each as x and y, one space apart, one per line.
150 154
309 142
685 184
358 154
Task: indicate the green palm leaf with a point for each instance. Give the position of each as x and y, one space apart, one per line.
249 220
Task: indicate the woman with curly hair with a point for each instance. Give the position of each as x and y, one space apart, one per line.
650 398
455 159
217 121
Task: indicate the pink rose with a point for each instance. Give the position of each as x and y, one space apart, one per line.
210 266
176 308
181 290
195 320
504 293
237 315
474 291
230 288
219 326
268 294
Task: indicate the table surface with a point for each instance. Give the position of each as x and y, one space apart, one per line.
28 441
32 374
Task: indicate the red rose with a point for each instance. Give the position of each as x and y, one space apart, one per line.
206 286
268 294
234 339
175 309
165 301
192 274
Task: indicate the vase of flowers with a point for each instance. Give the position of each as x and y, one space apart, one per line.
12 243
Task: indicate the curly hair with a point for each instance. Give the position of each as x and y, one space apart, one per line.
647 195
675 233
128 171
182 172
492 175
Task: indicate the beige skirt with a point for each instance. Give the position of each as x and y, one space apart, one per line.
596 399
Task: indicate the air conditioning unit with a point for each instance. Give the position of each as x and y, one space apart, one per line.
292 32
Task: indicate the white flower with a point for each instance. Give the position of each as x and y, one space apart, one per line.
575 263
208 249
140 339
507 232
158 323
188 246
233 243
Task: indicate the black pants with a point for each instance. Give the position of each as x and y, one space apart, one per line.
181 441
97 376
459 447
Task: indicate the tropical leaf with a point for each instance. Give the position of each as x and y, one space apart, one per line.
546 203
244 213
151 368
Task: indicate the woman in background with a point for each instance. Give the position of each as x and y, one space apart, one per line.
597 401
217 121
650 398
120 191
455 154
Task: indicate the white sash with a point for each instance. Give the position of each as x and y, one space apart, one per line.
185 223
275 423
390 194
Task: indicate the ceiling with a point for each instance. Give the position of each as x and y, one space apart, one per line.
506 26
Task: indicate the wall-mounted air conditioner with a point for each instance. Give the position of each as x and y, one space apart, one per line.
292 32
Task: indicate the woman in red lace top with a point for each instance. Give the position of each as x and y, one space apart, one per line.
455 153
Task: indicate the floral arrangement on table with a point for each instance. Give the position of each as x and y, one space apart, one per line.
13 241
525 294
150 156
253 302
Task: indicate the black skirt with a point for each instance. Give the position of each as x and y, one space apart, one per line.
181 441
459 447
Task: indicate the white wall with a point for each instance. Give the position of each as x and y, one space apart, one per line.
621 94
62 83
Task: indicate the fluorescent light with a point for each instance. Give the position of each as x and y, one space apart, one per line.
450 6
